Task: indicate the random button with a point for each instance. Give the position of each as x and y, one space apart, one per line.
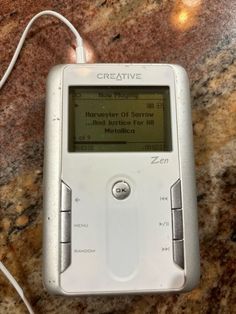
65 256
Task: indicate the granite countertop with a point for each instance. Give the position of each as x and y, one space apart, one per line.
199 35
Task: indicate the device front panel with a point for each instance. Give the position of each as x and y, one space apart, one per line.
120 180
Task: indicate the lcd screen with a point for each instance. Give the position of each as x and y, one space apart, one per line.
119 119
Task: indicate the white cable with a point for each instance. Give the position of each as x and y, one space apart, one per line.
80 58
80 55
16 286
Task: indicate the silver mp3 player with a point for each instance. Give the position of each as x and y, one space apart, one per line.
119 190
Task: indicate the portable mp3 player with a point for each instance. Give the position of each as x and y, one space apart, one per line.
120 211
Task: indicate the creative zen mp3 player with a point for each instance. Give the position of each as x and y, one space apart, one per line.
119 190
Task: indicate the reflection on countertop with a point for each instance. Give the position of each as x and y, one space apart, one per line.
199 35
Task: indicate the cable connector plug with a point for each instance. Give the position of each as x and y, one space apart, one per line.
80 54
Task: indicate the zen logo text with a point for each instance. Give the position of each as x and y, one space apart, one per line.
119 76
158 160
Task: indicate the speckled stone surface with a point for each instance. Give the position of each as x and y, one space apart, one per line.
201 36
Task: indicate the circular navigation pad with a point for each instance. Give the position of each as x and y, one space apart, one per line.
121 190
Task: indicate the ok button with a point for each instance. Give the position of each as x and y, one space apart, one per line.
121 190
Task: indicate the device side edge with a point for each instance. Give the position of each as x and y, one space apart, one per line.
51 181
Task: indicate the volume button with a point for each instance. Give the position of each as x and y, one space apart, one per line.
65 197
